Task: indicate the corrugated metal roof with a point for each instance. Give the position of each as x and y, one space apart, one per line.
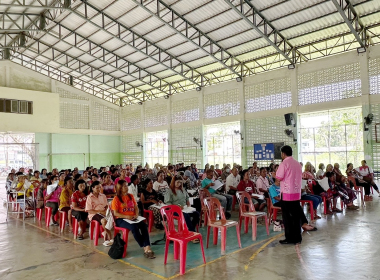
301 22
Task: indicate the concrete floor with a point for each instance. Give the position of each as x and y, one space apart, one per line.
343 247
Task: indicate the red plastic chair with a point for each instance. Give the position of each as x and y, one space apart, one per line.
273 210
213 205
39 214
48 212
357 189
324 199
96 230
180 237
62 220
311 207
247 211
75 224
233 202
124 232
148 214
203 193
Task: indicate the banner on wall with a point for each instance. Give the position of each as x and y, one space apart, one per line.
267 151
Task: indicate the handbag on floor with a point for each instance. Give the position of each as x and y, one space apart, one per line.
117 249
277 225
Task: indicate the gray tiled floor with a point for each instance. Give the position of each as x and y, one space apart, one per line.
344 246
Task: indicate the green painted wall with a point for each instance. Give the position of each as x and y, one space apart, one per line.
77 150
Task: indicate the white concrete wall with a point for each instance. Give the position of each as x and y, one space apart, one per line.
45 117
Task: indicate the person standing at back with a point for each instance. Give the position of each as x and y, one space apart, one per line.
290 175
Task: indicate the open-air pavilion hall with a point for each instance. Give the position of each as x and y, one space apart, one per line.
189 139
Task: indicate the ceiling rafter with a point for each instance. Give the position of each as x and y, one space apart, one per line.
57 74
149 48
265 28
192 34
352 19
20 40
56 4
116 58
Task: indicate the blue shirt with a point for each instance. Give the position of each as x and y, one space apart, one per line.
273 192
205 182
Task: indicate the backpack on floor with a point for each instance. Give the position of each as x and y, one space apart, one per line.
117 249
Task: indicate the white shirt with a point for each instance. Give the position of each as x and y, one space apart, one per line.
232 181
262 183
319 174
364 171
161 188
132 189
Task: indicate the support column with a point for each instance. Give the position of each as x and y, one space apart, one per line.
297 132
203 136
143 135
242 124
366 108
170 142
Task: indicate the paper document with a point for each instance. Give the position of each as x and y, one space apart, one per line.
51 188
259 196
159 206
255 213
139 219
217 185
188 209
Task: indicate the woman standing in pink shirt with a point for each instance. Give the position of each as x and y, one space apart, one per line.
290 175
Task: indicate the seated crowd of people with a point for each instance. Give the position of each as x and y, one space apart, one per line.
110 195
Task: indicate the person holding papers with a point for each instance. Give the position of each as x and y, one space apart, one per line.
225 199
150 201
178 196
248 186
126 212
232 181
53 193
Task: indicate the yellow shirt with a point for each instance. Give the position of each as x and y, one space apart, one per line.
20 185
28 192
61 183
64 199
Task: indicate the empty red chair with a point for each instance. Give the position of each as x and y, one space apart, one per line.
180 237
96 230
213 205
148 214
247 212
203 193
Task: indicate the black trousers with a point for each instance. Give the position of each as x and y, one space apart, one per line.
293 218
367 187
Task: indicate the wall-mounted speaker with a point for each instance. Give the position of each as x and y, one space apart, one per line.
290 119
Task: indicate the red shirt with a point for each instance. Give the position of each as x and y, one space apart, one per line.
79 198
246 187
